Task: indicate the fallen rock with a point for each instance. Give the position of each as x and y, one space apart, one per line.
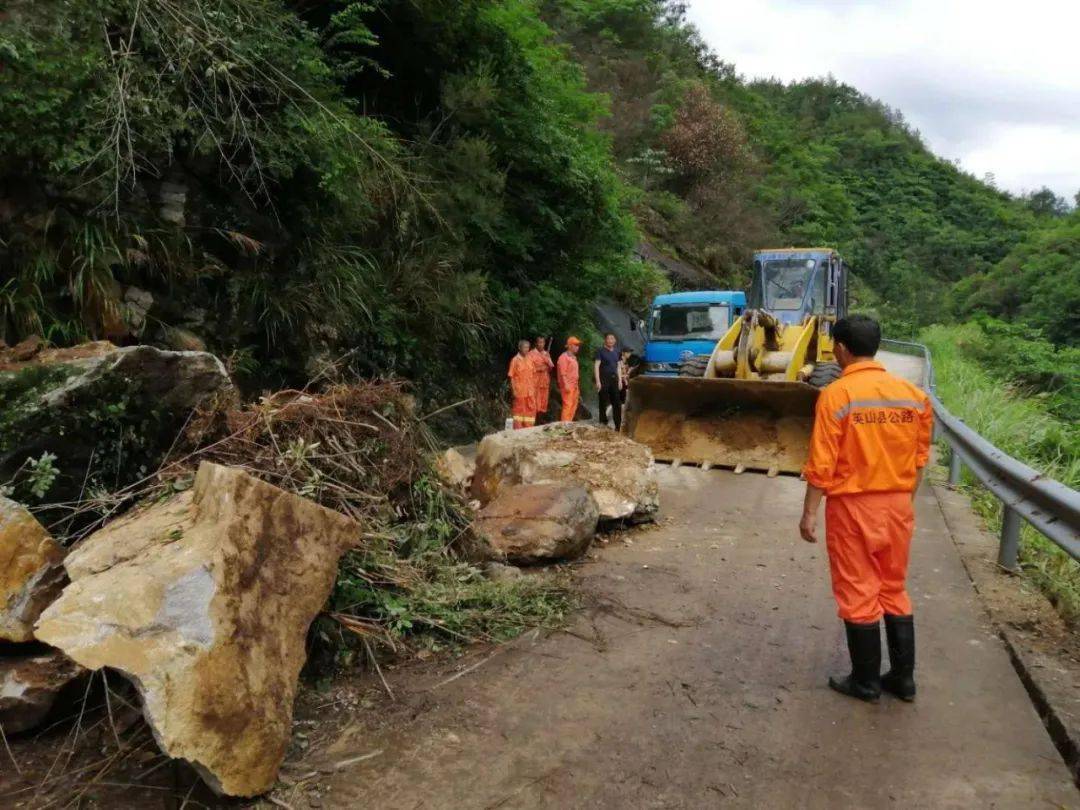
102 412
457 465
537 523
617 471
204 602
29 686
31 573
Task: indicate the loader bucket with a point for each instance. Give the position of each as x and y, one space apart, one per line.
749 424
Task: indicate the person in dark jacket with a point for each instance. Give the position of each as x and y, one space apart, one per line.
606 377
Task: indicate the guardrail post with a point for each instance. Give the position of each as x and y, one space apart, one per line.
1010 538
954 466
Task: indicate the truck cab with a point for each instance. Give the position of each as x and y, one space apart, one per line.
688 324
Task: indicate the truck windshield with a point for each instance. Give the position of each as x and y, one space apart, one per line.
786 281
683 321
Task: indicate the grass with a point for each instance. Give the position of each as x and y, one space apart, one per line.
1019 422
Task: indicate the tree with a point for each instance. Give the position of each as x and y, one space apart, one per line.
1045 203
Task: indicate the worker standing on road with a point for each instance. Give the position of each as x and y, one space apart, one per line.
870 443
569 380
540 358
606 377
522 385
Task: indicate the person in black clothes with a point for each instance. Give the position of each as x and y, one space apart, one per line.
606 377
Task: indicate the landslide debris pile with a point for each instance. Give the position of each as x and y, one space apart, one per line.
198 578
356 448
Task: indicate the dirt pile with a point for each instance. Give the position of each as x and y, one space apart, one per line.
354 448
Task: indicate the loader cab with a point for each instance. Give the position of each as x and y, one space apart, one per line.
795 283
688 324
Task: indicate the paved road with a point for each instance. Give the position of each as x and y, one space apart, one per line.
903 365
697 679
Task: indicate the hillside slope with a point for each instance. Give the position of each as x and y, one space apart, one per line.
726 165
421 182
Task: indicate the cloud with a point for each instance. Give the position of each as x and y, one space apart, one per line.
992 85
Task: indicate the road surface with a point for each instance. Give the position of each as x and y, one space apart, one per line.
697 678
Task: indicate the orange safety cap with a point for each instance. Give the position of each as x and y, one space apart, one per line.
573 341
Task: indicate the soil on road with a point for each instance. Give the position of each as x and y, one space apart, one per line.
696 677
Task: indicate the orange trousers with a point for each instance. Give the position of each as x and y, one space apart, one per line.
542 394
569 405
524 412
868 537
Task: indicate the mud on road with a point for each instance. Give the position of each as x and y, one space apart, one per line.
696 678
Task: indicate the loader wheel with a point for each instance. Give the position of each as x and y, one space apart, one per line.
823 374
694 367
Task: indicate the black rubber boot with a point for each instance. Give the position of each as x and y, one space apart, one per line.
864 646
900 679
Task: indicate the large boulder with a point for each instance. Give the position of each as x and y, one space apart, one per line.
204 601
537 523
29 685
103 416
31 573
618 472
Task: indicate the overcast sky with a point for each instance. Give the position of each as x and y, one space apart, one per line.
993 84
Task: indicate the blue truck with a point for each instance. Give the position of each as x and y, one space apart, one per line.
686 325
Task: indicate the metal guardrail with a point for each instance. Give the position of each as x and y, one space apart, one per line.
1048 505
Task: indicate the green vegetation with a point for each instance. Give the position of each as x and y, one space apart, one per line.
422 181
417 181
999 408
726 165
1037 284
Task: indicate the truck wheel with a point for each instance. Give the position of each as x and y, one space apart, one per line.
823 374
694 367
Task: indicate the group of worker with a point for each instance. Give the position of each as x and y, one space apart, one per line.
530 380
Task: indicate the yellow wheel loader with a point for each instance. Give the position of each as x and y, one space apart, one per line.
750 404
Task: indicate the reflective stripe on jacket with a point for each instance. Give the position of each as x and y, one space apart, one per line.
871 433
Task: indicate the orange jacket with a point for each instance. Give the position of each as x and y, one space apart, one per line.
871 433
521 376
541 361
568 373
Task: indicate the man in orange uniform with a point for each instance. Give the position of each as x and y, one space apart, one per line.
540 358
569 379
522 385
870 443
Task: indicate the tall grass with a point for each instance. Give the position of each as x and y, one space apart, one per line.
1019 422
